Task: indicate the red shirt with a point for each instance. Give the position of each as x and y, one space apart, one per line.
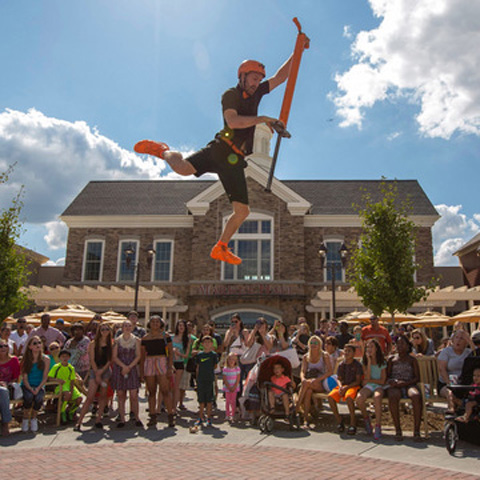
380 334
281 381
10 371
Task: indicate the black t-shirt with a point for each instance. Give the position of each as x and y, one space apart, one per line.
233 99
206 367
343 339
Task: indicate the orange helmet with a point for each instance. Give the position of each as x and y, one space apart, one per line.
248 66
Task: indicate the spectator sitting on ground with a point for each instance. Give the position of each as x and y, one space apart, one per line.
331 347
46 331
19 337
403 375
375 330
422 345
64 374
9 374
316 368
375 369
349 378
450 364
343 337
34 370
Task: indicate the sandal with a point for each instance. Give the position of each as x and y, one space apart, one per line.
399 436
352 430
340 428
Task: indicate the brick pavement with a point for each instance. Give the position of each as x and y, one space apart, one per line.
197 461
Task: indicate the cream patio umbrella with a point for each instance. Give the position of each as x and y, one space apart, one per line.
113 317
432 319
71 313
471 316
364 317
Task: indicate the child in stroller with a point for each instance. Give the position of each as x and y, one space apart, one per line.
465 422
276 393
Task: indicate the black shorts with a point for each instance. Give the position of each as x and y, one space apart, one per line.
218 157
179 365
205 392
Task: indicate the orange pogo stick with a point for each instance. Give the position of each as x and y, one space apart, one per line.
301 44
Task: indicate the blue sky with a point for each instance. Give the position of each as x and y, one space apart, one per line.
388 88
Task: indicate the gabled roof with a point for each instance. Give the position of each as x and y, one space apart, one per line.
472 244
170 197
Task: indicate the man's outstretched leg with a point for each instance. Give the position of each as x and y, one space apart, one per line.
221 251
161 150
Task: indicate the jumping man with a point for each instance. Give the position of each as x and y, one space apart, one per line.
225 155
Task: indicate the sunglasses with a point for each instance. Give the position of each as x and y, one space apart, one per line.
36 343
314 343
54 348
4 346
104 329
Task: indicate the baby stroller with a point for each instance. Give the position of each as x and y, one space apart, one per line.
267 418
454 429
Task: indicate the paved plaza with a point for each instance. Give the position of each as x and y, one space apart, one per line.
227 451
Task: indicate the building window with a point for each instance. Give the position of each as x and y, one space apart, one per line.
126 270
162 267
93 261
253 243
333 263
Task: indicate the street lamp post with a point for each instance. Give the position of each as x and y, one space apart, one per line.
130 252
322 253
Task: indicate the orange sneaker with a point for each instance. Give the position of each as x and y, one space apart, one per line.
150 147
223 253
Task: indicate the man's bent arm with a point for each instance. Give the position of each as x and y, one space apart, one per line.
234 120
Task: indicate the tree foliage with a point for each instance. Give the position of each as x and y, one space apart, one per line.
13 264
383 265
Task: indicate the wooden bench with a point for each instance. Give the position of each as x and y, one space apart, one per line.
427 385
50 395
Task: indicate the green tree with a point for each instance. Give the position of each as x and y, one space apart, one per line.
382 265
13 264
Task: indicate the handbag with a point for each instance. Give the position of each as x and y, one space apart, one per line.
15 391
250 355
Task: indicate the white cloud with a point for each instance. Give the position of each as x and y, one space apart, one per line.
426 50
393 136
58 263
55 159
452 231
347 32
56 236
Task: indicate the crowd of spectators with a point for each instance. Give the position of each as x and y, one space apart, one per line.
95 362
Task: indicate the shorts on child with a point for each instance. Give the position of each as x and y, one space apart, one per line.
372 387
205 393
350 393
155 365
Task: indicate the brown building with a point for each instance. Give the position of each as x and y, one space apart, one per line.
469 257
169 227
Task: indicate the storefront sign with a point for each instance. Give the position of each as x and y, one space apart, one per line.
250 289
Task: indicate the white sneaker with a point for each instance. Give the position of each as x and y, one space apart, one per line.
25 424
34 425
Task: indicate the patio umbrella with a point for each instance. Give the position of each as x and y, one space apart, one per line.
113 317
431 319
468 316
364 317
